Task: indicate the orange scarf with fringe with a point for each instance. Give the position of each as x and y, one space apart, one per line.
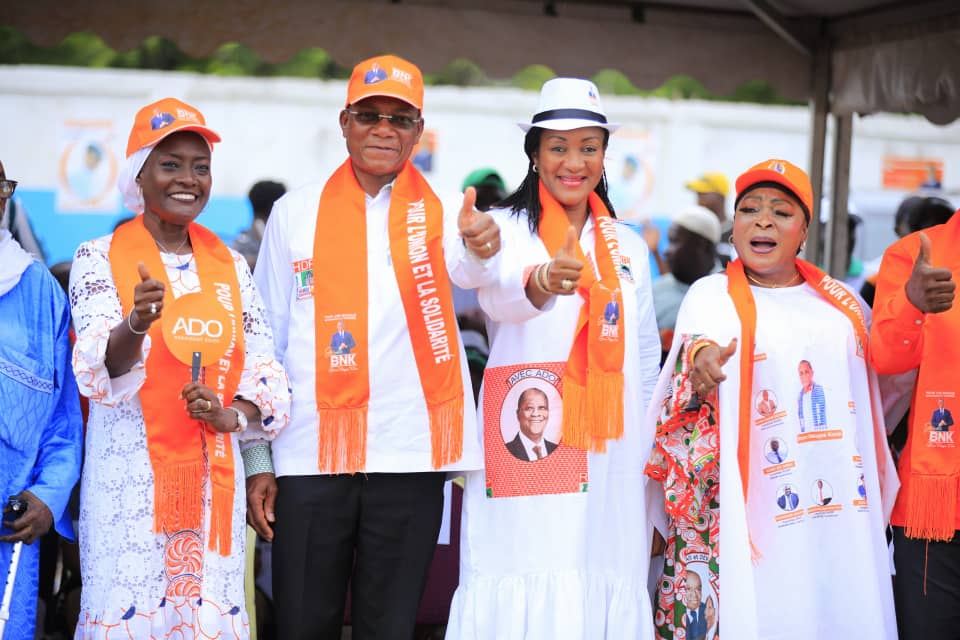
340 294
593 378
175 442
837 295
930 463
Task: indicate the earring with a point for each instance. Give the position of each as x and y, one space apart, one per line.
534 168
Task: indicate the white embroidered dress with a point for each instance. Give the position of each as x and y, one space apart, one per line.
823 553
136 583
568 566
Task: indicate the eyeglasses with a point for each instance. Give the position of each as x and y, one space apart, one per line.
368 118
7 187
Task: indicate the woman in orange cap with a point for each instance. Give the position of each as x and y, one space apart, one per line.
804 551
174 351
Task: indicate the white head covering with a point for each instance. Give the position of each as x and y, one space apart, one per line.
13 261
569 103
699 220
127 180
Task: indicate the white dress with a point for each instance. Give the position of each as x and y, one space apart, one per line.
136 583
824 569
545 565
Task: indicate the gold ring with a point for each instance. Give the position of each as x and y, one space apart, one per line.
566 284
153 307
489 246
209 405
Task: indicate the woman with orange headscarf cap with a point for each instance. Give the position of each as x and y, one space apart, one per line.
174 351
804 550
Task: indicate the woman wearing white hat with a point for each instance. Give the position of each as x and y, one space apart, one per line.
555 538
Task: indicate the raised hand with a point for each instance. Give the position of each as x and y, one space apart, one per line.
562 274
707 371
481 235
147 299
929 289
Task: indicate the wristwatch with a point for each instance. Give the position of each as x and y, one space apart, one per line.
241 419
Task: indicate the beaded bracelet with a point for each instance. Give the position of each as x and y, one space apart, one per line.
130 326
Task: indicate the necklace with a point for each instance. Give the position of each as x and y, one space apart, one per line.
796 279
179 246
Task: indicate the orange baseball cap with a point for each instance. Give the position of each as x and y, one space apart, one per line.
386 76
159 119
780 172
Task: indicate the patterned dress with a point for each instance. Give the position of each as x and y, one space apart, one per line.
685 461
137 583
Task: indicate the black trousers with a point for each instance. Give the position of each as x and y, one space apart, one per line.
928 606
375 531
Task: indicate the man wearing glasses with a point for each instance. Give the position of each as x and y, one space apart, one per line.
353 490
15 220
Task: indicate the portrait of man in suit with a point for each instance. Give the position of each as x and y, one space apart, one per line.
700 615
811 403
533 412
342 341
611 312
941 420
777 452
788 501
766 404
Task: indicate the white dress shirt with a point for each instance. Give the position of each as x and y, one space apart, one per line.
398 433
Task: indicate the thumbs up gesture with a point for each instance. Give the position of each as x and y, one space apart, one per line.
147 298
481 235
929 289
707 371
562 274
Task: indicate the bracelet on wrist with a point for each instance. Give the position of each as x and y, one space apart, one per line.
696 347
543 283
130 324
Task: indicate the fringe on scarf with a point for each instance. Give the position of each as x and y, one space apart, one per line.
343 440
593 414
178 497
446 432
605 406
221 515
931 507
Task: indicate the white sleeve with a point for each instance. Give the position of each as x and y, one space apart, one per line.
648 343
505 298
466 270
95 307
274 274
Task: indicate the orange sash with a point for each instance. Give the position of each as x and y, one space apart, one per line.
930 470
340 295
593 379
837 295
176 443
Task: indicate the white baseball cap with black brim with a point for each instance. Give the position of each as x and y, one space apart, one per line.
569 103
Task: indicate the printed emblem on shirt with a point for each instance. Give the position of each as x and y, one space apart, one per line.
342 349
624 270
303 278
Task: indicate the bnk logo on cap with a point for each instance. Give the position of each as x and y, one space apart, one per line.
375 75
161 120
